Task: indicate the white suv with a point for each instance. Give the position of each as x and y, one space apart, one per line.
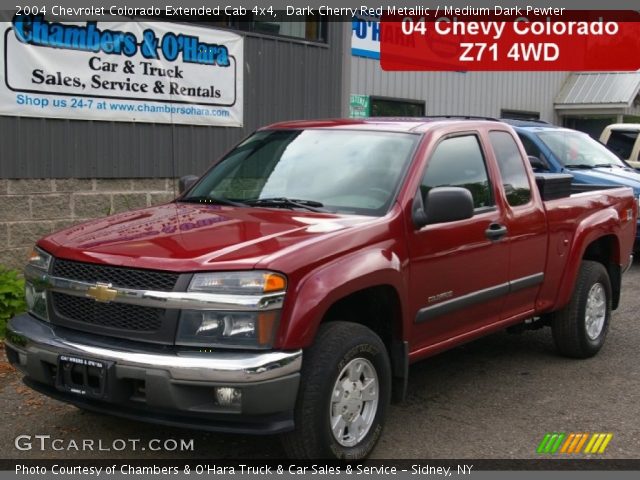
623 139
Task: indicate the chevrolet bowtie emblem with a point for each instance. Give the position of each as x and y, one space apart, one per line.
102 292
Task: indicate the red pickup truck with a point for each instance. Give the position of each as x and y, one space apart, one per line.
290 287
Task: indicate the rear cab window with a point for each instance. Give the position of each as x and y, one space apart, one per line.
515 180
621 142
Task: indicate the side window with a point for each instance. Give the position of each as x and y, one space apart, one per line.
514 176
530 147
459 162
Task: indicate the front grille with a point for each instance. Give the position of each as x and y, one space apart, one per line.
117 276
111 315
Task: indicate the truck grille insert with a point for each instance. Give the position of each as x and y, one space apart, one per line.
110 315
117 276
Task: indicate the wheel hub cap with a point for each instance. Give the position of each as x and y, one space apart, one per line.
354 402
595 311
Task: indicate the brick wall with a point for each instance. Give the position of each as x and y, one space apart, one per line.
30 209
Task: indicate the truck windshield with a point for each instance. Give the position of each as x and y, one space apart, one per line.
352 172
579 150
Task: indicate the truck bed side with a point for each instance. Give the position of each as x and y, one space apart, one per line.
589 225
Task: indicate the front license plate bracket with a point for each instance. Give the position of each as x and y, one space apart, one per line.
82 376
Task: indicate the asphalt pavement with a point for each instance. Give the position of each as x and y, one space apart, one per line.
494 398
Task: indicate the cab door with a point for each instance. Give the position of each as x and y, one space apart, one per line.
526 226
459 269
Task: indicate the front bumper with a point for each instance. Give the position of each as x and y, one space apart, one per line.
163 384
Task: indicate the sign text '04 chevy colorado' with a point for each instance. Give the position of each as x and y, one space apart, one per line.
289 288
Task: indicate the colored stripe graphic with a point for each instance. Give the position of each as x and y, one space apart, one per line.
573 443
543 443
569 443
605 443
550 443
581 443
598 443
557 443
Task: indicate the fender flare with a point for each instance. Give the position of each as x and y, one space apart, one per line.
601 224
320 289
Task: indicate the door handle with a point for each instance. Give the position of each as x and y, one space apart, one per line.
495 231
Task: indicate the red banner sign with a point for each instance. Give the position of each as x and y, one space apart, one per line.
453 39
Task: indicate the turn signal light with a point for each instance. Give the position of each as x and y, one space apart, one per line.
274 282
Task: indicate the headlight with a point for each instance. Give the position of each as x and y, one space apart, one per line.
239 329
36 300
238 283
39 259
34 291
204 328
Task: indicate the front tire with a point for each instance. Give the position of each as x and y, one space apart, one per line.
580 328
344 394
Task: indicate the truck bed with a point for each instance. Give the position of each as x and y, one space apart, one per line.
594 207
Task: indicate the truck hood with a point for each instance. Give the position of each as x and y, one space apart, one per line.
609 176
191 237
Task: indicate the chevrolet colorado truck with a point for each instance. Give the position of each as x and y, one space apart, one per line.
290 287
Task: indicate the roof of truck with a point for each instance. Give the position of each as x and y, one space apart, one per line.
401 124
633 127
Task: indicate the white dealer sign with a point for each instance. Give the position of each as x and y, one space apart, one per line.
129 71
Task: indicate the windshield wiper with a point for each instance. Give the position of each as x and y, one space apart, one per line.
287 203
608 165
579 165
205 199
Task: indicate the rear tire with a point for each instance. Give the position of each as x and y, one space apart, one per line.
580 328
344 394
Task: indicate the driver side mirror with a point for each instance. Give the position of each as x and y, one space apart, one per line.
538 163
441 205
186 182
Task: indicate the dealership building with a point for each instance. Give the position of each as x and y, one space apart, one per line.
586 101
100 118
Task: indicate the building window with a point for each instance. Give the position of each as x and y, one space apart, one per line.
591 125
302 27
395 107
519 115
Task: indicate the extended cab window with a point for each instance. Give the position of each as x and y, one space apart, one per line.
459 162
514 176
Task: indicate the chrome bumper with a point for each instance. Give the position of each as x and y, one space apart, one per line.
40 341
626 268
